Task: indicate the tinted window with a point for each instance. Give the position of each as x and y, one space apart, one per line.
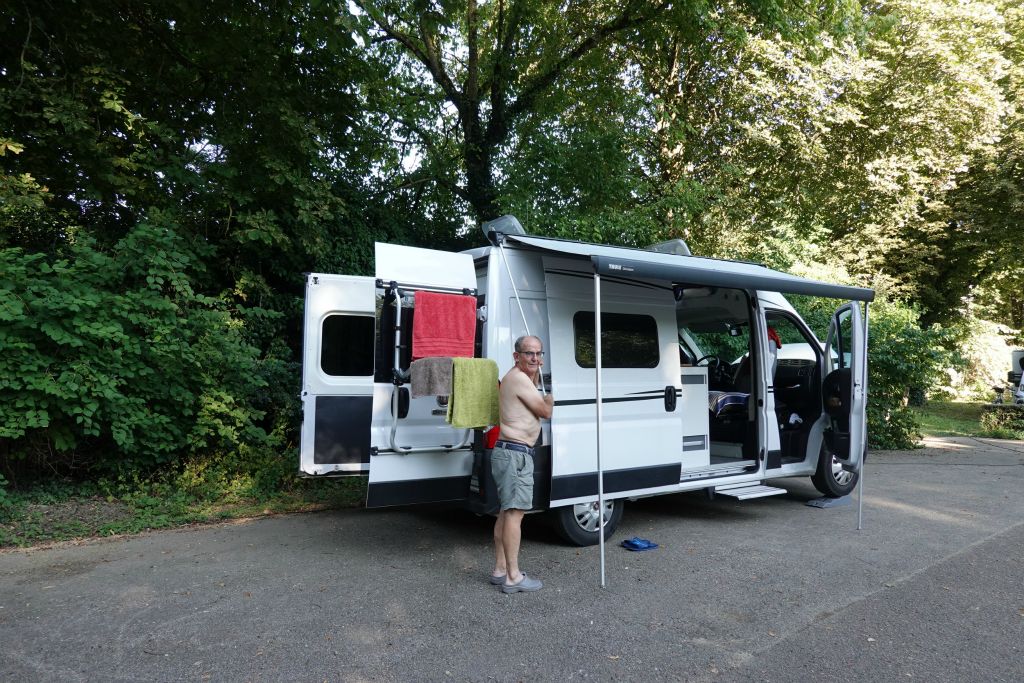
627 341
346 345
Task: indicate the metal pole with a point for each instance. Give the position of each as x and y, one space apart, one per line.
597 367
864 455
860 497
501 250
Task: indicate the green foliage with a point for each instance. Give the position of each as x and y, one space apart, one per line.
1003 421
117 351
903 356
985 359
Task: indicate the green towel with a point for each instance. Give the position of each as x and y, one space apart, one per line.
474 399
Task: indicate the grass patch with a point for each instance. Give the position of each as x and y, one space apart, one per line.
950 418
61 511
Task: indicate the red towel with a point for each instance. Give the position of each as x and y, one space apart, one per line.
444 325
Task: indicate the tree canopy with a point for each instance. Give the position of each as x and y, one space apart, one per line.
255 141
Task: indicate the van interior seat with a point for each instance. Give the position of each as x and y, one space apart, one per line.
725 403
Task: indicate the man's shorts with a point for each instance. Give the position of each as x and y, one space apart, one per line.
513 473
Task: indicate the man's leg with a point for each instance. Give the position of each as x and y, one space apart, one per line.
511 534
500 564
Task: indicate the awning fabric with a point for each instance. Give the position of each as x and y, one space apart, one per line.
691 270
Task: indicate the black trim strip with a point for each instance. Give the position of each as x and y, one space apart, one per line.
409 492
693 379
579 485
617 399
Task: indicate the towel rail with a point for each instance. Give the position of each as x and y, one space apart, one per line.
392 285
467 437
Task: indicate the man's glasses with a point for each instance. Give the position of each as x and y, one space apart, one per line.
531 354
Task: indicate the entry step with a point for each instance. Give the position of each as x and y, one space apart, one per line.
745 491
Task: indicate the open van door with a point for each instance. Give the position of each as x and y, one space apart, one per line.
337 374
845 385
417 457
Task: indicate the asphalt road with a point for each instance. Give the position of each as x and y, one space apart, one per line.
932 589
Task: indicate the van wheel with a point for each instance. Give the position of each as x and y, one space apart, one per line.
577 524
830 478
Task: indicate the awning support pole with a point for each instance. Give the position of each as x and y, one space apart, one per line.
600 472
864 455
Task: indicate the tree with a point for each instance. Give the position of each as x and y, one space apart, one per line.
483 68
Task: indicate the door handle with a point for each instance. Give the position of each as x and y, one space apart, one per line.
670 399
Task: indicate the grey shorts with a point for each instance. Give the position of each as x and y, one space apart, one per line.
513 473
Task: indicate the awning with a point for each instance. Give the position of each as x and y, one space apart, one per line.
692 270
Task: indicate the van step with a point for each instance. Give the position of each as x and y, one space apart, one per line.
744 492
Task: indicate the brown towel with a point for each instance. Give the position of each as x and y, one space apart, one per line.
431 377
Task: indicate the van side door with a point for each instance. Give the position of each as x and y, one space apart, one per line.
642 440
844 390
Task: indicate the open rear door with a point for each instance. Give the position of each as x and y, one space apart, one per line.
337 375
417 457
845 384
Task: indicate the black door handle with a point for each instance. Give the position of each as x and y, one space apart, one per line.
670 399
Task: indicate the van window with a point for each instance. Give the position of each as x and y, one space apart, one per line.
627 341
346 345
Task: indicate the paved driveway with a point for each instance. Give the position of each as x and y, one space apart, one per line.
932 589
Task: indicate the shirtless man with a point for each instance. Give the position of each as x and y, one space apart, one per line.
522 408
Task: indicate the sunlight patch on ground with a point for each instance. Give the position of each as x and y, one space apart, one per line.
921 512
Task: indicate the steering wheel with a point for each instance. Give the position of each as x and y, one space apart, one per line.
718 369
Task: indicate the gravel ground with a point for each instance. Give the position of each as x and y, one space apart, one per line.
931 589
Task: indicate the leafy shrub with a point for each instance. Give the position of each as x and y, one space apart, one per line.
112 360
1003 421
902 356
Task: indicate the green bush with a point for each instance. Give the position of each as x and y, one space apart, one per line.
111 360
1003 421
902 356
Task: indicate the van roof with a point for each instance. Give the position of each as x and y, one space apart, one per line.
695 270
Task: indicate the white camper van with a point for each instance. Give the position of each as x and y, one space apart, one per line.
703 377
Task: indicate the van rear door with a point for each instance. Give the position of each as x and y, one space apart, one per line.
845 384
417 457
337 374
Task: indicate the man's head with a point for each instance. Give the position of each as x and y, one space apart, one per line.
529 354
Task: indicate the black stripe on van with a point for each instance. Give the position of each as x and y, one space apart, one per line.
579 485
409 492
341 429
646 396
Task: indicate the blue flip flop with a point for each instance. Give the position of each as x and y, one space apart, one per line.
637 544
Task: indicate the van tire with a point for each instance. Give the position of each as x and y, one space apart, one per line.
830 478
577 524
